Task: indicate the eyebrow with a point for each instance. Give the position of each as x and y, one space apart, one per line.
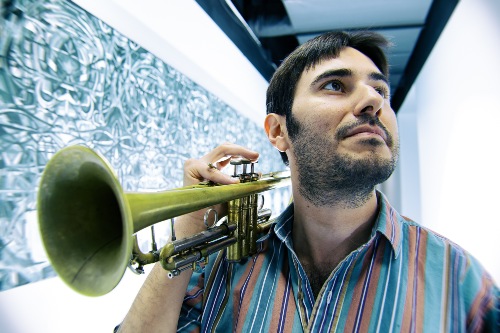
345 72
379 77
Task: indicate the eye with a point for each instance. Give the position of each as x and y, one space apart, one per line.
334 86
383 91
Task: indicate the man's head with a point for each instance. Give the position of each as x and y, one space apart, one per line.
332 118
281 90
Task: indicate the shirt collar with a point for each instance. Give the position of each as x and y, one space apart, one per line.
388 224
283 227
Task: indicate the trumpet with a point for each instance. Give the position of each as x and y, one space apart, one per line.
88 223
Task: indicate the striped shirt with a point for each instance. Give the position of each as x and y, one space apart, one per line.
404 279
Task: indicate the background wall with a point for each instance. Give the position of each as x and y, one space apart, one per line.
453 115
448 175
68 78
145 88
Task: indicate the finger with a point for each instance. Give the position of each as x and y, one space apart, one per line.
208 167
222 164
198 170
225 151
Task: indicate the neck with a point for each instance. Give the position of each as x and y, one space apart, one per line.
324 235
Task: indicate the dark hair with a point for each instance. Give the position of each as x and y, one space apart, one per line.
281 90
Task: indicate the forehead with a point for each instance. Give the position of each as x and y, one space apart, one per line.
348 58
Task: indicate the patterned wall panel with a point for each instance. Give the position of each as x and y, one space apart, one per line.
68 78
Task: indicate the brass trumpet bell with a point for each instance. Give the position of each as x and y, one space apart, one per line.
85 221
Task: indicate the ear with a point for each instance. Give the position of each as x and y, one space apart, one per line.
275 127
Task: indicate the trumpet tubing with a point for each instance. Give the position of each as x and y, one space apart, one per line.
87 221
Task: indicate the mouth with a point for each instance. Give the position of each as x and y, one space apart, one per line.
367 130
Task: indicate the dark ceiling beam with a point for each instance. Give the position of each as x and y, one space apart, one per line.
224 17
436 20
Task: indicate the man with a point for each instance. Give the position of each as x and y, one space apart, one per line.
340 258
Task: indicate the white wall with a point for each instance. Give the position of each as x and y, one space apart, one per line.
458 123
50 306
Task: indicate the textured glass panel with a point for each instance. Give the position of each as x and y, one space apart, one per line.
67 78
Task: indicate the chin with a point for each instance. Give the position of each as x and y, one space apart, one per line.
363 152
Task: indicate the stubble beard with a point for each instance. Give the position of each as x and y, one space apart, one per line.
329 178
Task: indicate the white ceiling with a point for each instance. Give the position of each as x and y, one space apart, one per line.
324 15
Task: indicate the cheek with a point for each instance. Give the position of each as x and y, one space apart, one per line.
320 125
392 126
324 116
318 115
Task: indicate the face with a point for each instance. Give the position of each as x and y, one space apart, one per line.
343 132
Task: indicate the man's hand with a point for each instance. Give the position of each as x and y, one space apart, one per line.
209 167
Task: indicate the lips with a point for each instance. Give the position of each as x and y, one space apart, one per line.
367 129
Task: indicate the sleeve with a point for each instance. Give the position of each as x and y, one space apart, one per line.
191 311
484 303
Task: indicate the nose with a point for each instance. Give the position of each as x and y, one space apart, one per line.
369 101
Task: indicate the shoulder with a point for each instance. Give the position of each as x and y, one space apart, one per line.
450 259
432 243
461 276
